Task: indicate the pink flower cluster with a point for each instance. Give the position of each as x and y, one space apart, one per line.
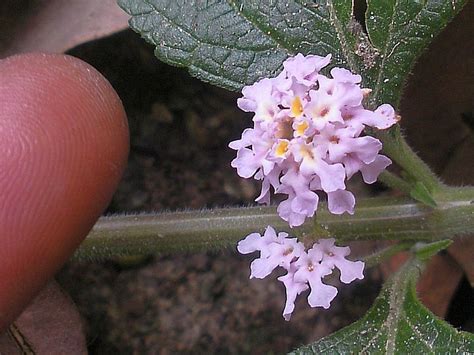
305 269
307 137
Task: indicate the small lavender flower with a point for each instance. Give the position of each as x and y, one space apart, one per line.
307 137
274 251
334 256
305 269
293 289
311 269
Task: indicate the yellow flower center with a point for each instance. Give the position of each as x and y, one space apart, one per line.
281 148
296 107
301 128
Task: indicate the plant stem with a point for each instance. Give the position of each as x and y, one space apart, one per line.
378 257
375 219
395 146
391 180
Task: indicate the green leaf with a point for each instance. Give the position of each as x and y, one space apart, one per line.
400 30
397 323
234 43
420 193
424 251
231 44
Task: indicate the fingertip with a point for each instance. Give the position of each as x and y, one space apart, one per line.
64 144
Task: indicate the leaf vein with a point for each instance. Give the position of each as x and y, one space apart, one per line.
375 337
396 299
199 40
340 34
420 336
256 24
384 53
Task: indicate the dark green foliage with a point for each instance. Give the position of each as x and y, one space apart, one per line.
234 43
397 323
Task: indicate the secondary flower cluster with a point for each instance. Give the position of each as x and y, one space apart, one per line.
307 137
305 269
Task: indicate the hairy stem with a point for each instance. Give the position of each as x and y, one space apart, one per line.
395 146
375 219
384 254
391 180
